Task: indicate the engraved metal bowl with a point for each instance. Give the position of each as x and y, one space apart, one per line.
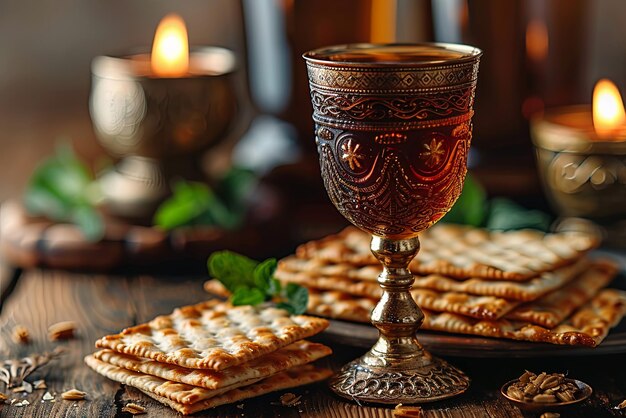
585 393
138 114
159 127
582 176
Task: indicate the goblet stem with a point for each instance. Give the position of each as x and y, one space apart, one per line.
396 315
397 369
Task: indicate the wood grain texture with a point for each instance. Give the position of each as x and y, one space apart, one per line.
105 304
97 305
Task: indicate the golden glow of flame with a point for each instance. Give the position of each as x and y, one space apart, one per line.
608 109
536 40
170 50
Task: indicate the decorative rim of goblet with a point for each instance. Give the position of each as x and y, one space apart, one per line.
322 56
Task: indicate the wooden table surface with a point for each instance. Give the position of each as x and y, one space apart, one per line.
102 304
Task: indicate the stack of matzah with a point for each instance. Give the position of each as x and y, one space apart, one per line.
211 354
522 285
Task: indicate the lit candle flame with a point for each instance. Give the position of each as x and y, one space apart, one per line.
608 109
170 50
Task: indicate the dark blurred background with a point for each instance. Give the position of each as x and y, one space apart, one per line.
537 54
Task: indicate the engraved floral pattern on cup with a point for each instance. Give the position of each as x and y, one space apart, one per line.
393 184
434 152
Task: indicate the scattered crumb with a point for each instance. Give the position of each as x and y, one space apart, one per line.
240 406
134 409
20 335
61 331
406 411
73 395
25 387
13 401
550 415
289 399
622 405
47 396
40 384
22 403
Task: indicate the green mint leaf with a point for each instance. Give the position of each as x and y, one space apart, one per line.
62 189
247 296
40 201
251 283
298 297
263 275
89 221
234 190
189 201
235 187
275 287
471 207
65 173
222 216
286 306
194 203
504 214
59 181
232 270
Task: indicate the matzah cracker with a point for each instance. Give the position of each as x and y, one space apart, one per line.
339 305
316 268
355 287
487 307
215 288
284 380
213 335
178 392
149 384
522 291
330 304
588 326
463 251
490 307
296 354
553 308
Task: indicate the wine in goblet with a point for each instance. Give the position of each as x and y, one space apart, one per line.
393 130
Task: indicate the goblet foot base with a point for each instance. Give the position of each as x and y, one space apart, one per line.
427 381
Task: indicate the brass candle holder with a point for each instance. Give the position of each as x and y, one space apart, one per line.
158 126
583 175
393 129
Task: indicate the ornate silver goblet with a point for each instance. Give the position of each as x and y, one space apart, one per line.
393 130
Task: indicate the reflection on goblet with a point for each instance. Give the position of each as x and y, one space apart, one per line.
393 129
